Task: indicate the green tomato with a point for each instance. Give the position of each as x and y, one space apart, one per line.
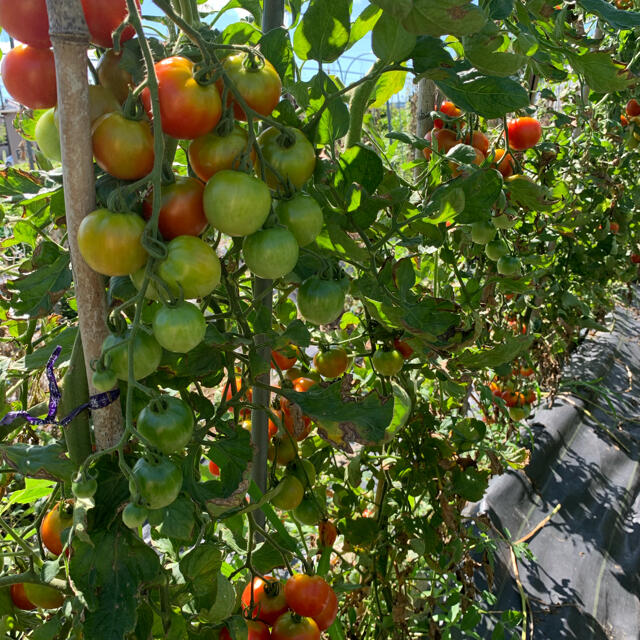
308 512
302 215
47 136
270 253
320 301
134 515
387 363
167 423
482 232
289 495
147 354
236 203
179 328
503 221
84 487
495 249
519 413
509 266
286 447
303 470
104 380
159 482
191 265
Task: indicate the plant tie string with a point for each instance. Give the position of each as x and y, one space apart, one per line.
99 401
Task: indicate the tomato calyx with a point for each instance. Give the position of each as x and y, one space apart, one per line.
253 62
286 139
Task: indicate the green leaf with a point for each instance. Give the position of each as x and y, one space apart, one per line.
361 165
323 33
364 23
178 520
110 574
252 6
33 490
266 558
241 33
387 86
482 52
48 630
16 183
49 461
38 359
492 358
470 483
453 17
35 294
429 53
488 96
481 190
276 48
617 18
528 194
344 417
600 71
298 333
200 566
390 41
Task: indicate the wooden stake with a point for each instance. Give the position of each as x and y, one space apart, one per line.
70 38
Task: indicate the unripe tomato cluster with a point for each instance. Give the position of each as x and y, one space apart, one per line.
517 394
301 608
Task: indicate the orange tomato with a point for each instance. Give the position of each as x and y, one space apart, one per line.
53 524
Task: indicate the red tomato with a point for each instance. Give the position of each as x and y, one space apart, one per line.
283 361
457 169
303 384
29 75
256 80
256 631
247 397
403 347
53 524
212 152
326 617
182 212
307 595
27 21
122 147
526 372
104 17
635 258
614 227
633 108
478 140
496 389
505 165
269 601
442 141
214 469
19 597
524 133
623 120
188 109
296 424
449 109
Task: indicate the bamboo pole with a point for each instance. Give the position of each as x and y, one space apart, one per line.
70 38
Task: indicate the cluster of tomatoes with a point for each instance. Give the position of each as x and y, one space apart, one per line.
513 389
301 608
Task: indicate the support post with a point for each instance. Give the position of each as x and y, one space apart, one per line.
70 38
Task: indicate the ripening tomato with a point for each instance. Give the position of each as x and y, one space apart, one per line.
26 21
524 133
234 191
505 165
633 108
269 601
284 449
101 101
403 347
214 469
104 17
459 169
307 595
332 362
188 109
289 153
270 253
214 152
478 140
54 523
290 493
182 211
247 396
19 597
290 627
387 363
113 77
255 631
283 360
449 109
29 75
256 80
303 384
614 227
442 140
111 242
122 147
